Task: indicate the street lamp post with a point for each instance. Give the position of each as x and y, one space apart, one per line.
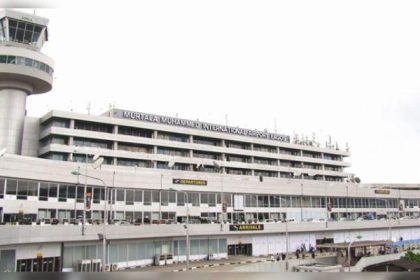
387 217
105 215
97 161
186 226
348 250
222 195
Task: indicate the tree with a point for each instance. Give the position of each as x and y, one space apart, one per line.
414 257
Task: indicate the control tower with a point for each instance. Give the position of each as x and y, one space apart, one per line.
24 70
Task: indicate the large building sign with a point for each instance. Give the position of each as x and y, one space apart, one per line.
199 125
246 227
381 191
189 182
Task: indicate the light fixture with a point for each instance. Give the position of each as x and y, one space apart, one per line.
97 162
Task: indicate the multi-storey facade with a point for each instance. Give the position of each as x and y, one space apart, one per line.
157 172
150 143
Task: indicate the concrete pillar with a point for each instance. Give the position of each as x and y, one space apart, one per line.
12 116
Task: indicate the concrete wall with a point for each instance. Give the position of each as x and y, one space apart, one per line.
30 140
22 234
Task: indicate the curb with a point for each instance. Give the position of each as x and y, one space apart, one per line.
222 264
238 262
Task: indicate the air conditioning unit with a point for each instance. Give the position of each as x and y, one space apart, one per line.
107 268
114 267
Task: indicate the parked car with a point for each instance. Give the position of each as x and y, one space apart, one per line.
122 223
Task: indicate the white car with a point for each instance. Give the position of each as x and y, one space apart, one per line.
269 221
122 223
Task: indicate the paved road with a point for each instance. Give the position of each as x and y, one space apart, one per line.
179 266
224 265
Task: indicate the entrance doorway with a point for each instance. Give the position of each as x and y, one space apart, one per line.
240 249
39 265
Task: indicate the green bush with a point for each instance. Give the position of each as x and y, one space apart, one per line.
410 256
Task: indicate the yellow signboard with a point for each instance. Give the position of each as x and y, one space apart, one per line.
246 227
382 191
190 182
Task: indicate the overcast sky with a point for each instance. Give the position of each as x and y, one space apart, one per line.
348 69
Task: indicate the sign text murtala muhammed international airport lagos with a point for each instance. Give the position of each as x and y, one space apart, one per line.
199 125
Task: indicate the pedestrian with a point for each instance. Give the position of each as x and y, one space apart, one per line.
278 257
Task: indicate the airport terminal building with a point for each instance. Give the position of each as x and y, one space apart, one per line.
241 191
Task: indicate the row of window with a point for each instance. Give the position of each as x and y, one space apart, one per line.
21 31
141 250
11 59
22 189
147 133
188 167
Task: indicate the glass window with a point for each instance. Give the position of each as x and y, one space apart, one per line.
195 247
193 199
38 28
120 195
164 198
28 62
62 194
138 196
172 197
22 190
274 201
11 187
28 37
228 198
21 25
222 246
20 60
37 64
180 199
155 196
316 202
204 198
213 246
129 197
12 33
19 35
306 201
32 188
212 199
71 191
43 191
96 195
147 197
11 59
52 190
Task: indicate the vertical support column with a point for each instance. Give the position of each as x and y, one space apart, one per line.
223 156
278 161
71 141
154 136
115 144
252 158
12 117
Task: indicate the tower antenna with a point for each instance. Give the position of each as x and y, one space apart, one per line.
275 125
